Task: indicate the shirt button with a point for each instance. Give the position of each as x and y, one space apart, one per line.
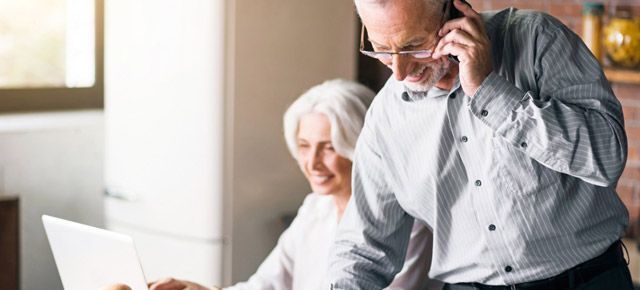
492 228
484 113
464 139
523 145
478 182
508 269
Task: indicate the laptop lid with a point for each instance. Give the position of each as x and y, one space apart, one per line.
91 258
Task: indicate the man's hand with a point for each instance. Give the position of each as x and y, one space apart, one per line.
175 284
467 39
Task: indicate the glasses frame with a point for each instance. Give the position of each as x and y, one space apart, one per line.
387 56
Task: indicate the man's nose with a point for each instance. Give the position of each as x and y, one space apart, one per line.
399 66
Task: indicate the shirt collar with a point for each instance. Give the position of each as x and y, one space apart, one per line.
432 93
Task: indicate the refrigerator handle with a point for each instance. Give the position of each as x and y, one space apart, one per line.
119 195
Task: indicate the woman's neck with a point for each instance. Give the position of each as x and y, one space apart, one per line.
341 200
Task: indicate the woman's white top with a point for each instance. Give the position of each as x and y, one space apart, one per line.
300 259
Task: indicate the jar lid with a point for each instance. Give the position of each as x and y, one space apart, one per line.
592 8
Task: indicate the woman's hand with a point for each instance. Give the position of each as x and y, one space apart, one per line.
116 287
175 284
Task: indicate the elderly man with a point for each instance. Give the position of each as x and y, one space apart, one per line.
509 153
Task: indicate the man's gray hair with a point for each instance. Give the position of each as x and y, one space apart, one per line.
383 3
343 102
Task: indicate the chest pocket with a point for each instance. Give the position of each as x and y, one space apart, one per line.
520 174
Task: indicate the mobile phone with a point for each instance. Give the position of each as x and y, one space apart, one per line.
453 14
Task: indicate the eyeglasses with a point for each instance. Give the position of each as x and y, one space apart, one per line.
387 56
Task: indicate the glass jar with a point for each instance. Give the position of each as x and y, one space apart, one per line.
622 39
592 27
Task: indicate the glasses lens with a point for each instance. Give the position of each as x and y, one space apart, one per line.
382 56
422 54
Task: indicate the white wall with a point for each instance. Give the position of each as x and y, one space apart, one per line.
53 161
278 49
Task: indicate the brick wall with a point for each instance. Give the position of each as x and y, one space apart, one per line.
629 185
570 13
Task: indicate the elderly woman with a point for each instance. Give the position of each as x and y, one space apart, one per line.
321 128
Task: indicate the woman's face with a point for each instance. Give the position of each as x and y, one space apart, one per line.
326 171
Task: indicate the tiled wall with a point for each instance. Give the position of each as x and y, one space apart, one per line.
570 13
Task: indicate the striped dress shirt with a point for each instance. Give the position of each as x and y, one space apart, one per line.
517 183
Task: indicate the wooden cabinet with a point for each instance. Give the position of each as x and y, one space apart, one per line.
9 250
625 76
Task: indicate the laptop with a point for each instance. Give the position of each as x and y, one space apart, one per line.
90 258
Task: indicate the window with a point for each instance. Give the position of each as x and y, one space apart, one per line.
50 55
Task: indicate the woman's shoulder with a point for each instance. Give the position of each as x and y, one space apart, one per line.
316 205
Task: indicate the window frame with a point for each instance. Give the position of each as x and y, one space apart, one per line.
54 99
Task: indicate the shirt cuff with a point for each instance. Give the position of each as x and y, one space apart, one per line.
496 101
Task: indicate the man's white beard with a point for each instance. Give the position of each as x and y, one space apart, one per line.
437 70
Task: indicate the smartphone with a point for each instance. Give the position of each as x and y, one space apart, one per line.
453 14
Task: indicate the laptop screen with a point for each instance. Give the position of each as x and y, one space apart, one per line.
92 258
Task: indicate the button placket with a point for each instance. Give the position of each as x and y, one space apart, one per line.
483 188
462 127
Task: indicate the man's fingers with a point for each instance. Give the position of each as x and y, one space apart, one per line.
455 49
466 9
458 36
463 23
475 23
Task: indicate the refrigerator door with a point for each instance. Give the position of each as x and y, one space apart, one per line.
164 119
164 125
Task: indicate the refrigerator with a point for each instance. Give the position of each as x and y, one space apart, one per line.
164 99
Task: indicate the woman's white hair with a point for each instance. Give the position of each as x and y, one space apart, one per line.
343 102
